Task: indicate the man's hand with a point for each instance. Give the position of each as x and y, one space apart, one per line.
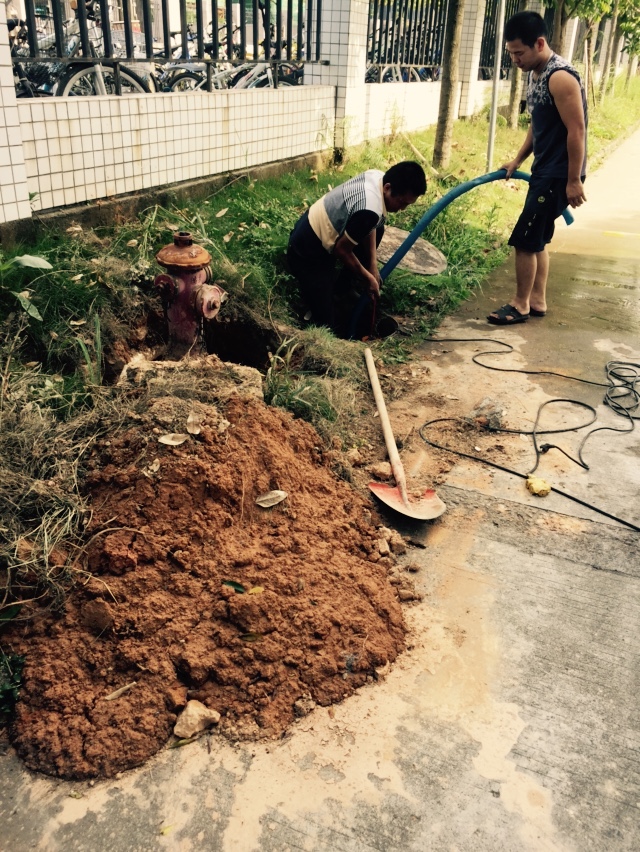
374 282
575 193
511 167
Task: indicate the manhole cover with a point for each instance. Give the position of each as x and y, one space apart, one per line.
422 257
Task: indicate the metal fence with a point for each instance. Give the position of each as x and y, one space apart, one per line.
210 31
408 33
488 49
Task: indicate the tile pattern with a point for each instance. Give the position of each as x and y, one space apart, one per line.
81 149
69 151
472 92
343 45
14 195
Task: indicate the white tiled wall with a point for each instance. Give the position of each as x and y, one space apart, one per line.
390 107
471 44
344 46
79 149
14 195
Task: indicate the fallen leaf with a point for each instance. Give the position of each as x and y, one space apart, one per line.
272 498
120 691
238 587
264 225
154 467
173 439
77 322
193 423
77 277
251 637
76 794
180 743
74 229
167 828
132 243
256 590
32 364
221 212
228 236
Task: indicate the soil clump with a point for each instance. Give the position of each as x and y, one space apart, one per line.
194 592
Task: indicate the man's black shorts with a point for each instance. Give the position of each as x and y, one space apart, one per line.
545 201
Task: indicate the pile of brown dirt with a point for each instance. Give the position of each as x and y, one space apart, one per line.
197 592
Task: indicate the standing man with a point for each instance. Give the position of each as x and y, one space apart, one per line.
347 225
557 138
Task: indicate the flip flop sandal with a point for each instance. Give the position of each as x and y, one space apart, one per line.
536 313
507 315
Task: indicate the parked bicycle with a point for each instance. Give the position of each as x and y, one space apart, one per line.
46 78
250 75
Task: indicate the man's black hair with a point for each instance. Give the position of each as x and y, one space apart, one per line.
526 26
406 177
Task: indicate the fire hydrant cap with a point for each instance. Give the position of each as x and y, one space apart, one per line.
183 253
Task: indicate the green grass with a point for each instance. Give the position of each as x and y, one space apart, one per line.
101 281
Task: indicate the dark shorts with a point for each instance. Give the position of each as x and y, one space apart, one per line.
545 201
315 271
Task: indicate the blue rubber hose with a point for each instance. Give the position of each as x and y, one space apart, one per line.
428 217
439 206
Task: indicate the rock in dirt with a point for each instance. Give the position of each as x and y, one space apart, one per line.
304 706
97 615
195 718
176 696
383 547
354 457
488 414
394 539
381 470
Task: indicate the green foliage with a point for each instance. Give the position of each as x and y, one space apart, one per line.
10 681
302 394
24 297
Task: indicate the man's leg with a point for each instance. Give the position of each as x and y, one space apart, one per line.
532 271
538 298
533 231
313 268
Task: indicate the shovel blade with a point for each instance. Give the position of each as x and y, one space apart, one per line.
424 508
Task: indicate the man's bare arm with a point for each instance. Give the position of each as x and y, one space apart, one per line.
566 93
343 250
525 150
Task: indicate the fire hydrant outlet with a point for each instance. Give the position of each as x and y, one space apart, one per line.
183 254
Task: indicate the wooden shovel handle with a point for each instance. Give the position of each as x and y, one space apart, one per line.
392 449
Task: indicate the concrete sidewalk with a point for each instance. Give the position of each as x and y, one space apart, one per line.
512 721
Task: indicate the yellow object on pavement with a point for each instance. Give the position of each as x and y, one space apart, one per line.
537 486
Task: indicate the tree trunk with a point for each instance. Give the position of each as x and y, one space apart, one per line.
516 85
449 84
592 30
631 70
606 68
560 21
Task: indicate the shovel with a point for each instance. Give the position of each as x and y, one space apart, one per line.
428 505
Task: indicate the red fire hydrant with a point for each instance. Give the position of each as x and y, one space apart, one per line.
188 296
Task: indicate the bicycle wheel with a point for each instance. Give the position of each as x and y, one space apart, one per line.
187 82
81 82
264 83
